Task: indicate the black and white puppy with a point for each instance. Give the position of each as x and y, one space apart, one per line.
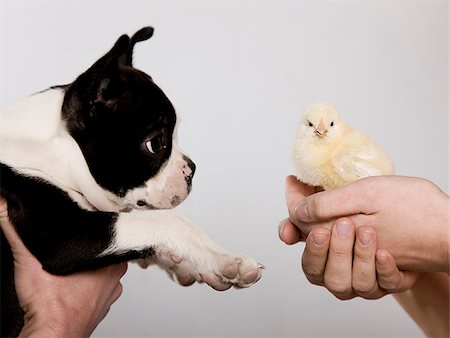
89 170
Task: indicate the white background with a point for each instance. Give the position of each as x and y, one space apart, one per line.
240 73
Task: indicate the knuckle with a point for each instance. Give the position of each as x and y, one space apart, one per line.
313 271
346 296
316 280
313 274
341 253
362 255
338 287
320 206
363 287
119 290
388 281
389 285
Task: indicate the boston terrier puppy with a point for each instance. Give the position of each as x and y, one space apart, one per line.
89 171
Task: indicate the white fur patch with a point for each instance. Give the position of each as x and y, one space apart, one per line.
35 141
182 249
167 189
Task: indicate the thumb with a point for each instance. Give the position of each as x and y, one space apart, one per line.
355 198
8 229
296 191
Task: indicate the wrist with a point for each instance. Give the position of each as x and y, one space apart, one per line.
445 250
440 243
35 327
49 320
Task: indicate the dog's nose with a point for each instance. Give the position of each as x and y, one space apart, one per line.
191 166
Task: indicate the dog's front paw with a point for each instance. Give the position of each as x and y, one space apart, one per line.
241 272
218 269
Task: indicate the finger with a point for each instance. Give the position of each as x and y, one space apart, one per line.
108 302
3 208
117 292
349 200
315 256
388 275
364 278
289 233
120 269
296 191
338 271
8 229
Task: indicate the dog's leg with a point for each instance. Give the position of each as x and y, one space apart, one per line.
183 249
66 238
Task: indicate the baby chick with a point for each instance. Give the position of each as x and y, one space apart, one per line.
330 153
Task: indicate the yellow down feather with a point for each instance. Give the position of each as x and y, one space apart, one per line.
330 153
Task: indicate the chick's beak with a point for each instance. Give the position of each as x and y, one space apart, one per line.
321 130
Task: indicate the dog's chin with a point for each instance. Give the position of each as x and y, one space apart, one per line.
155 201
166 190
145 205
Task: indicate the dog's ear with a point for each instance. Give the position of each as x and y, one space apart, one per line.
108 89
103 76
94 87
96 91
141 35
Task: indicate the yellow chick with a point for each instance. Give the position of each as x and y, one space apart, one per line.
330 153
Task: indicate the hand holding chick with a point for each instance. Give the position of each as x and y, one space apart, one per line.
330 153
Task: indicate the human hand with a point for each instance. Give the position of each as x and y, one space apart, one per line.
59 306
346 261
411 216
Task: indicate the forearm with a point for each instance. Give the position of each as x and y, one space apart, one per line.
427 302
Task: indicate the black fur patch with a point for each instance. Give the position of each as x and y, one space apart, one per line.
62 236
111 110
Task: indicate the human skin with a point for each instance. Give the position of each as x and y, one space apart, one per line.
345 256
411 216
346 261
59 306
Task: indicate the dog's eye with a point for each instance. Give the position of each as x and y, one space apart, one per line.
155 143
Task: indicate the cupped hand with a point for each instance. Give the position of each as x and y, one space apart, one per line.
346 261
411 216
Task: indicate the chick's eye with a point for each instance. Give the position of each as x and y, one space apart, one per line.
310 124
156 143
332 124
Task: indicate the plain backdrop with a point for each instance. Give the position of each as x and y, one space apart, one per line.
240 73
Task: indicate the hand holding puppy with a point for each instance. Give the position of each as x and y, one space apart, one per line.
59 306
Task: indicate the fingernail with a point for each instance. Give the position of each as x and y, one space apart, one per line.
343 228
319 239
302 211
365 238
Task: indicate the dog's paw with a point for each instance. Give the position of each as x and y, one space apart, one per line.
241 272
219 270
